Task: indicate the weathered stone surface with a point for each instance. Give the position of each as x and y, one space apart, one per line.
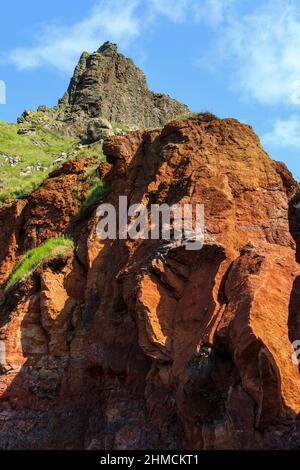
98 129
143 344
108 85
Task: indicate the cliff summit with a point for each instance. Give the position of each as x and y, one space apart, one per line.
108 85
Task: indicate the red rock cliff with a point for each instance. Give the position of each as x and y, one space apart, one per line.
143 344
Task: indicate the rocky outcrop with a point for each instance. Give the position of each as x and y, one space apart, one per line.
145 345
107 85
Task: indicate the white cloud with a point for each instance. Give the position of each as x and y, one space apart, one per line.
213 12
285 133
115 20
176 11
263 49
60 46
260 46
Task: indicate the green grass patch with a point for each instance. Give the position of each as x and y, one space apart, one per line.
93 150
51 248
36 154
97 192
120 125
191 115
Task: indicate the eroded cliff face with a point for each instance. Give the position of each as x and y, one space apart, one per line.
143 344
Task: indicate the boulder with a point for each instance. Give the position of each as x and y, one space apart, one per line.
98 129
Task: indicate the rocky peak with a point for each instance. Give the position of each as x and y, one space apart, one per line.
108 85
108 48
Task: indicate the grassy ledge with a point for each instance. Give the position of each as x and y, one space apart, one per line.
97 191
120 126
191 115
51 248
26 160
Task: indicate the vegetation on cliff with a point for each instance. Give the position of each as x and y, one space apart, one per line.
97 191
28 153
198 115
27 159
51 248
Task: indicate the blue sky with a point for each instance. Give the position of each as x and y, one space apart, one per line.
235 58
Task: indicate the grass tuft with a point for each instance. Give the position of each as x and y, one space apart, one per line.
96 192
202 114
51 248
121 126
